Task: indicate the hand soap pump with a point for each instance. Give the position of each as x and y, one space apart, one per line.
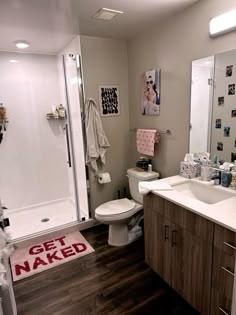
233 173
226 177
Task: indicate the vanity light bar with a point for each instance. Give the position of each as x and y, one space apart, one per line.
223 23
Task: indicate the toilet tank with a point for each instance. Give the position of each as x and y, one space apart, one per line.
135 177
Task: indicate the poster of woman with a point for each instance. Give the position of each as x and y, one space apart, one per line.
151 92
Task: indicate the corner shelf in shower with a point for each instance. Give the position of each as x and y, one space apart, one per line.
51 117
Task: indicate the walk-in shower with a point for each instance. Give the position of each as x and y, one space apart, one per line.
42 169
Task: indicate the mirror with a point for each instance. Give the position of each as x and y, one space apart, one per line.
213 106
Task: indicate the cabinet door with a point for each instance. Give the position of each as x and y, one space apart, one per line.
173 255
167 252
196 264
176 244
154 240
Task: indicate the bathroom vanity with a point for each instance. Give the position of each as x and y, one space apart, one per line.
191 242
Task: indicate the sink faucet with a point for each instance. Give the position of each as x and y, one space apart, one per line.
216 178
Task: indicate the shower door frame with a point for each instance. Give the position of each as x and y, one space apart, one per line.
70 144
78 222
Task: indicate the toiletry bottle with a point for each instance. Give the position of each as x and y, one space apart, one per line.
233 173
204 171
149 167
61 111
226 177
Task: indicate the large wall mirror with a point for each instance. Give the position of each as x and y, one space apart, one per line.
213 106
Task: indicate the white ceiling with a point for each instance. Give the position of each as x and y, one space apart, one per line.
47 24
50 24
138 15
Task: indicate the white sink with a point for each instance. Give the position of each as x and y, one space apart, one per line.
203 192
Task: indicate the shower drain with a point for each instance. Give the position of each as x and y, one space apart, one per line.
45 220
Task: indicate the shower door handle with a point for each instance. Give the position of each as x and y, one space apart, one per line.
68 145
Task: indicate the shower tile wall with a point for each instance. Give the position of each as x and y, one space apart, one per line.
33 160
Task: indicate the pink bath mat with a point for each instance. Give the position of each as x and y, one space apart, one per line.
38 257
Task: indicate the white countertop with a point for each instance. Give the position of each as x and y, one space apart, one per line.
222 213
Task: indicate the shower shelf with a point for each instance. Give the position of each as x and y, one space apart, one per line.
51 117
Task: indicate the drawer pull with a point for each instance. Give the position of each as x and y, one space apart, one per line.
174 243
166 230
223 311
230 245
228 271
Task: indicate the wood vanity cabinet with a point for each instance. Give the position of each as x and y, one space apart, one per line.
178 246
223 270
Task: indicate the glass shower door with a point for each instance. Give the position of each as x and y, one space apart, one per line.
38 181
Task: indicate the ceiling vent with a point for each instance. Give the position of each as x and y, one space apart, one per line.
106 14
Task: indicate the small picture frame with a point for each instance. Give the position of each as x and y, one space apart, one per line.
218 123
226 131
231 89
109 100
220 146
229 71
233 113
221 101
233 157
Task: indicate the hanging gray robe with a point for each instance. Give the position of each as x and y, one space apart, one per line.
96 140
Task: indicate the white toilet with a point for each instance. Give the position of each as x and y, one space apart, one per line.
122 215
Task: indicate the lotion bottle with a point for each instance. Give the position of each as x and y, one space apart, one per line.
226 177
233 173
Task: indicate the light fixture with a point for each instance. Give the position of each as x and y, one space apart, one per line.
14 61
106 14
223 23
22 44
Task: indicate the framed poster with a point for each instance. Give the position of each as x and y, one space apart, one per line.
109 100
151 92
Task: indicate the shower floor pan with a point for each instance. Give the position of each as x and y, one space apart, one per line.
39 218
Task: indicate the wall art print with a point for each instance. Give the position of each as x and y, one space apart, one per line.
151 92
229 71
109 100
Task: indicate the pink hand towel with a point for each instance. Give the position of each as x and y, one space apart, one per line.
145 140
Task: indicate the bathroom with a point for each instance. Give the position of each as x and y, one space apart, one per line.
171 45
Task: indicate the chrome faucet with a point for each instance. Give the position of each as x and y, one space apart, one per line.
216 178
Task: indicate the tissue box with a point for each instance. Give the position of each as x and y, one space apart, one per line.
190 169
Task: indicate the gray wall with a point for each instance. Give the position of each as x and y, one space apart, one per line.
172 46
105 62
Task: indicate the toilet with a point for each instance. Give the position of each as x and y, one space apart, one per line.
123 215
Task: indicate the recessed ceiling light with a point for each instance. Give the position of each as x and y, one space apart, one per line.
22 44
14 60
106 14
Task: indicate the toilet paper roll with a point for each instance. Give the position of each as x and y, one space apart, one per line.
104 178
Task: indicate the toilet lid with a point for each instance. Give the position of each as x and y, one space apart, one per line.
115 207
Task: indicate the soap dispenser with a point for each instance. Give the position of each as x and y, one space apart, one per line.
226 177
233 173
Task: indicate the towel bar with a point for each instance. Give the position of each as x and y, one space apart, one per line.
163 132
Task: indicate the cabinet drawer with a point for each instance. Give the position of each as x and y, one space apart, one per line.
154 203
174 213
220 304
198 226
225 239
223 272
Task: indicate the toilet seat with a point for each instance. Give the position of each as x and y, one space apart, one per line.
115 207
117 210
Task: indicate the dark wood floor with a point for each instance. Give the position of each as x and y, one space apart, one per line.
111 280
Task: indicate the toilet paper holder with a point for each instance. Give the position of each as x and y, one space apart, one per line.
104 178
